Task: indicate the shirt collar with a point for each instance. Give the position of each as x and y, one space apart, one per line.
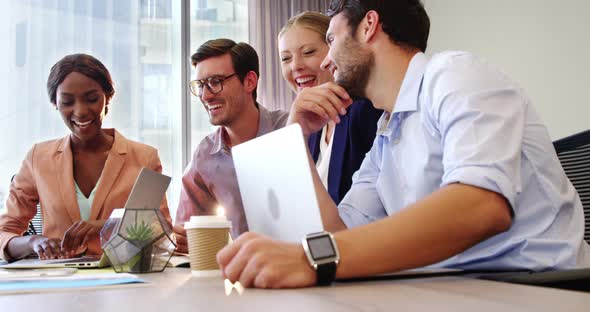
264 126
119 142
218 144
407 99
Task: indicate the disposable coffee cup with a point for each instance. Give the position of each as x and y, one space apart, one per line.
206 236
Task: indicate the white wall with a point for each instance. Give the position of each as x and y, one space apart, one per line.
542 44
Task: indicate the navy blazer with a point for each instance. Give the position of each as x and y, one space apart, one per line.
353 138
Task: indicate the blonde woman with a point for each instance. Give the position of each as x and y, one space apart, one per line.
338 149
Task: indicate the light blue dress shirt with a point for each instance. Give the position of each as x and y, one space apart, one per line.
459 119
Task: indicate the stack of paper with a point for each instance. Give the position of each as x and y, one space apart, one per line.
19 281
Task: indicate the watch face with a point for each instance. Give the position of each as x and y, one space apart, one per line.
321 247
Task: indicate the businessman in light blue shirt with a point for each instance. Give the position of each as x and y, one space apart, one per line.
462 173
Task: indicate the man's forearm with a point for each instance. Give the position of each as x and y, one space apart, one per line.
441 225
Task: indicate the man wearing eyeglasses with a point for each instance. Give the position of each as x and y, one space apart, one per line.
226 78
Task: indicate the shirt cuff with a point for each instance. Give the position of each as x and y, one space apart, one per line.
486 178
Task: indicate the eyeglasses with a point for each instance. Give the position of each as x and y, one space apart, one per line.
214 84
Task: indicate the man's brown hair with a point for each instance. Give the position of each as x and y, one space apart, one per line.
244 58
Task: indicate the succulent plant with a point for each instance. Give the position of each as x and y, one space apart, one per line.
140 231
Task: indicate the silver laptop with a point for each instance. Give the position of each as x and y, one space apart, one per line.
147 192
276 185
85 262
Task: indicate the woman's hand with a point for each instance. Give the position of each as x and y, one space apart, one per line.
314 107
76 237
46 248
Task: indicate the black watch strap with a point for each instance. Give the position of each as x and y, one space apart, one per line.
326 273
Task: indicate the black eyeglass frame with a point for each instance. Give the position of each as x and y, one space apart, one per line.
196 86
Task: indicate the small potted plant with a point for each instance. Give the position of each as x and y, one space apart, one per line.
141 234
138 240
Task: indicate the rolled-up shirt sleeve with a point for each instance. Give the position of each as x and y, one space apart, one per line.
481 122
362 205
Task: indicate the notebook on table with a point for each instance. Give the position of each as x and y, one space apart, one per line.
147 192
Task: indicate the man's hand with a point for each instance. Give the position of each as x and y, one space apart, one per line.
76 237
181 242
314 107
46 248
257 261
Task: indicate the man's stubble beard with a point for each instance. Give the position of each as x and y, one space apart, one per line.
354 77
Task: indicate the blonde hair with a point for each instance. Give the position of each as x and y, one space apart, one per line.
314 21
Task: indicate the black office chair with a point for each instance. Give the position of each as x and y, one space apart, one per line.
36 224
574 154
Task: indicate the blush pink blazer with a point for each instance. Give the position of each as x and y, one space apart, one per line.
46 176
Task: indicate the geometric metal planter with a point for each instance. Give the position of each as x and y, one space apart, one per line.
139 241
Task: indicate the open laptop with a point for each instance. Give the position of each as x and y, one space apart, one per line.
276 185
85 262
147 192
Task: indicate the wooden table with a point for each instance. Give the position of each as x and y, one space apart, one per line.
176 290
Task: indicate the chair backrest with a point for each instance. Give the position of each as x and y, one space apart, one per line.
574 154
36 224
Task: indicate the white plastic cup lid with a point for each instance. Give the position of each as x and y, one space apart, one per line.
207 222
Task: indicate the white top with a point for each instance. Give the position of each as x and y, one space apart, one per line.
323 163
85 203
